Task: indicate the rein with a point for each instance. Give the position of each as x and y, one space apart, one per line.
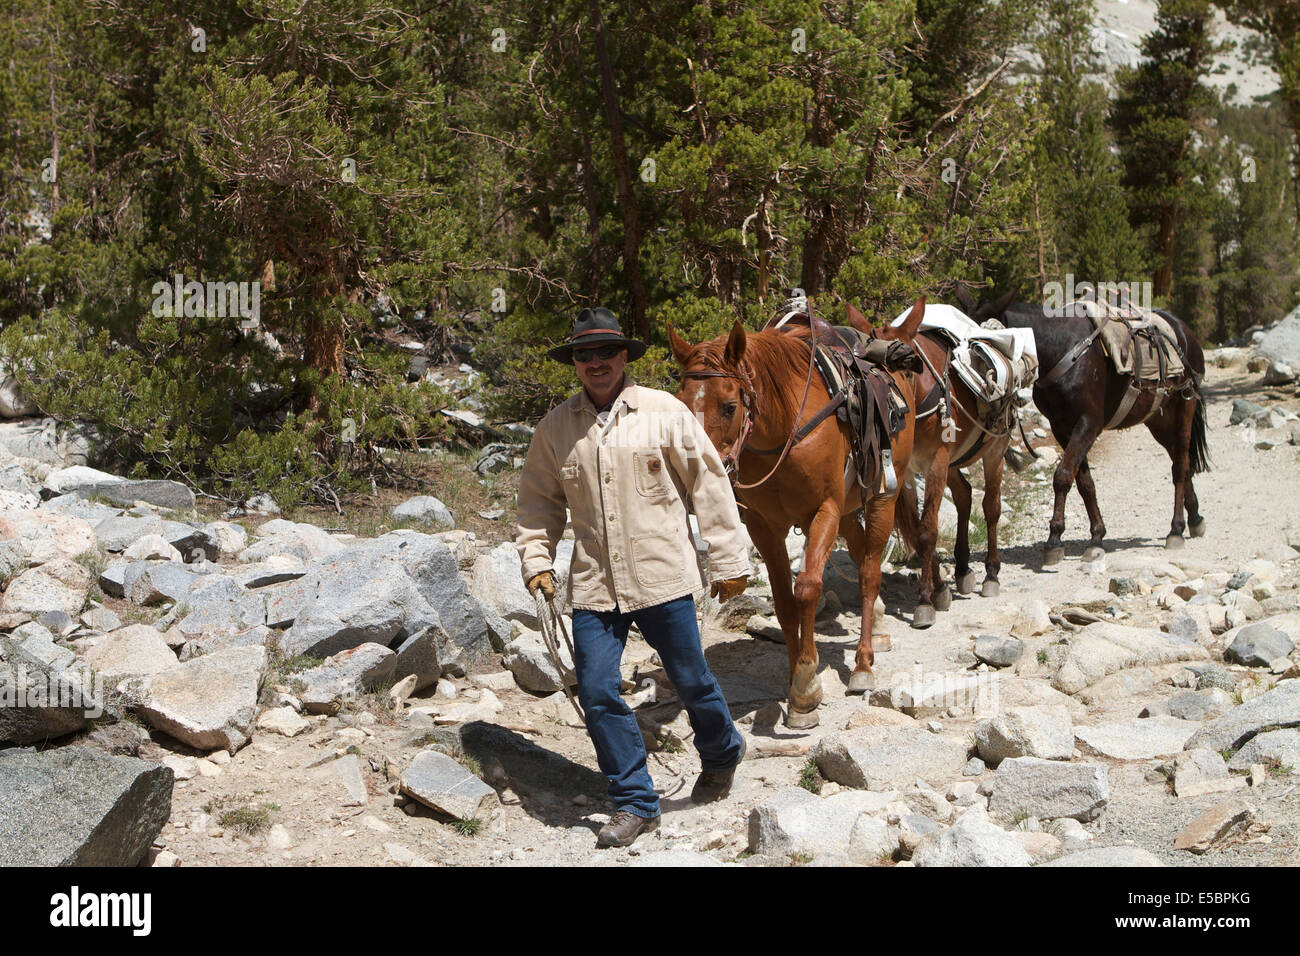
749 400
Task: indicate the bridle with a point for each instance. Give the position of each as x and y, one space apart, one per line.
749 404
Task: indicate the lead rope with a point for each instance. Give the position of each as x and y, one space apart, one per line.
551 622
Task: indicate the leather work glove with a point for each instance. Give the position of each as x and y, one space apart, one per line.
544 582
724 591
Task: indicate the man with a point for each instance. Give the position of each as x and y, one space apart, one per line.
624 460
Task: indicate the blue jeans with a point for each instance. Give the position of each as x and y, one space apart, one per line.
598 641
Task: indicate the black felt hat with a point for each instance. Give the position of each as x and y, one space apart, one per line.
592 329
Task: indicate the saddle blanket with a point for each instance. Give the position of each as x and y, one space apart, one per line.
993 363
1135 339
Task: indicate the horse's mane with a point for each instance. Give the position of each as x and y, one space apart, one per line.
778 363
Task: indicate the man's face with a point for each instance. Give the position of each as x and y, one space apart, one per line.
601 376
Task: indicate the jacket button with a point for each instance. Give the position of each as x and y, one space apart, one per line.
608 479
617 558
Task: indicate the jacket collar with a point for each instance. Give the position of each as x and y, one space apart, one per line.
628 396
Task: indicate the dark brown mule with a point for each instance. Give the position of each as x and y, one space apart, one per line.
810 488
1081 402
940 451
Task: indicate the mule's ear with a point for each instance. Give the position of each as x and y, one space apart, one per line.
907 331
856 318
963 298
681 348
736 344
1002 302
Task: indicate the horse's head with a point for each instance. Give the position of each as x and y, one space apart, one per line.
716 387
984 308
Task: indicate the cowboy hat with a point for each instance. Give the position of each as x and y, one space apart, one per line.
592 329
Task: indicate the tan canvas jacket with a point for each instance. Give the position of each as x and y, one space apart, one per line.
626 485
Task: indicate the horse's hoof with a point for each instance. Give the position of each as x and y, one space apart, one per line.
1198 530
990 588
800 720
1174 542
805 688
966 582
861 681
1053 555
923 616
943 598
1094 553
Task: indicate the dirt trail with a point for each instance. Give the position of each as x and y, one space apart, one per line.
1249 503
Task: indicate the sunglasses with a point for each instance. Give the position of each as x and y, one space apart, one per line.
603 353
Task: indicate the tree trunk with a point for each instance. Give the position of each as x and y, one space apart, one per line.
639 325
1164 276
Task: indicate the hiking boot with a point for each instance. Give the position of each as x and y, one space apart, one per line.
624 827
715 784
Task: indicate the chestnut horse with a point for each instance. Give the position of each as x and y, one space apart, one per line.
1085 399
941 449
761 385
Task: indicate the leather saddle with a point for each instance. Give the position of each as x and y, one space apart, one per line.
863 394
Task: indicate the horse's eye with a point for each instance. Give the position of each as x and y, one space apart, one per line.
728 409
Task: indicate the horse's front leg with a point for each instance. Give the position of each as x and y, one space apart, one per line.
805 684
868 546
961 498
770 541
1076 445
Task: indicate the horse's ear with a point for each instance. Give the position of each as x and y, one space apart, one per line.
907 331
681 348
856 318
1002 302
736 344
963 298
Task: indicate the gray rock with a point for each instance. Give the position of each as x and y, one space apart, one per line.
39 702
164 494
1199 705
1108 856
433 567
1047 789
675 859
1215 824
58 585
163 581
795 821
498 584
121 531
194 542
231 538
1246 411
1280 746
132 651
1123 586
36 639
972 841
884 758
1026 732
359 596
218 607
1258 645
263 503
998 651
1200 771
1137 738
47 441
526 657
442 784
60 622
77 806
273 570
209 702
259 635
930 695
1191 623
45 536
974 767
1212 676
425 510
1278 708
304 541
74 506
345 675
12 559
1281 343
428 655
1104 648
285 601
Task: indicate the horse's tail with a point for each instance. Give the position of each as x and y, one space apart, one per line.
1199 452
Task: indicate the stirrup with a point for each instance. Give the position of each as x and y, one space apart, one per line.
887 466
